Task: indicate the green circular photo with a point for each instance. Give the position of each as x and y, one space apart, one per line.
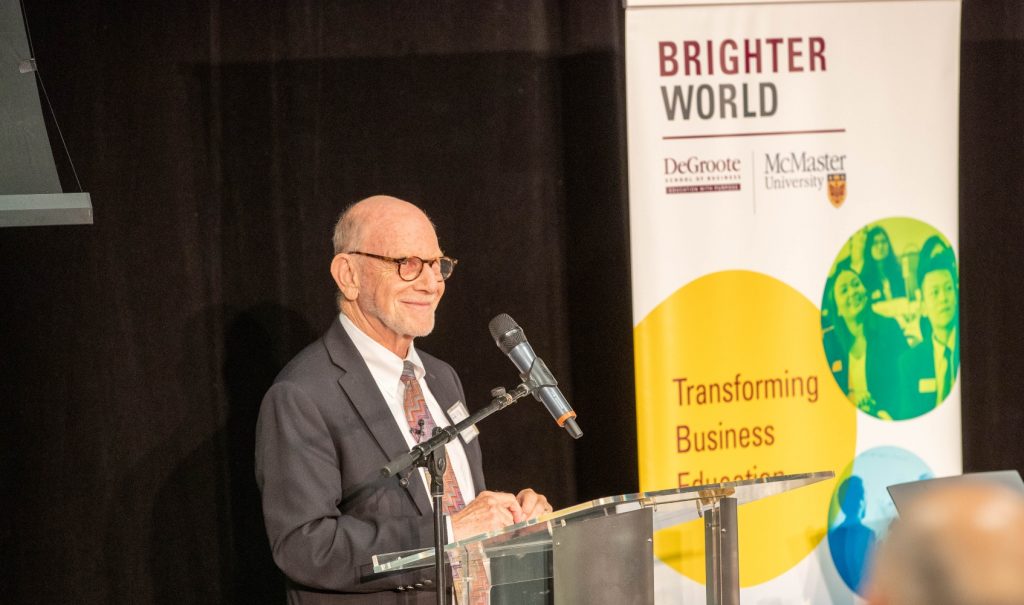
890 318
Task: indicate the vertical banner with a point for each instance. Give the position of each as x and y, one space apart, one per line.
793 215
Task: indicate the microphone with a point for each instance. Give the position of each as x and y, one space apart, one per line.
510 339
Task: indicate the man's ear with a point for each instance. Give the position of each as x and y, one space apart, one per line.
345 276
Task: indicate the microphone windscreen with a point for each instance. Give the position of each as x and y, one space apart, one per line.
506 333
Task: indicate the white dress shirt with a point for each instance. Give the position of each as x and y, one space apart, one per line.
386 369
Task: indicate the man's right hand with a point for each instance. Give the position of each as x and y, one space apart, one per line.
488 512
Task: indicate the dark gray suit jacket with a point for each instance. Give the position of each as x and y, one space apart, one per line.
323 429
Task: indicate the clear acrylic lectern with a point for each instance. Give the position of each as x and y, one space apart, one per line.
602 551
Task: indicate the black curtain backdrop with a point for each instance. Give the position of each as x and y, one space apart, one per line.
219 141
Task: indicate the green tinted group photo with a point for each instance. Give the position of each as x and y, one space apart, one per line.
890 319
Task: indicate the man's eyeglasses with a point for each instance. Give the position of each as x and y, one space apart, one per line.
410 267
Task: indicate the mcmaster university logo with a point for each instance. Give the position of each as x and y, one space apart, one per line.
837 188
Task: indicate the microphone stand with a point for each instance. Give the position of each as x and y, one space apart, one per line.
430 455
435 464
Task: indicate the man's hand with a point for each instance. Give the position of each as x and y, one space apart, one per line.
488 512
532 504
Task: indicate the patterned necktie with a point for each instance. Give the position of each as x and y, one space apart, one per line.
421 423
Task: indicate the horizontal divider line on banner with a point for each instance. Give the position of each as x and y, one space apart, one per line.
752 134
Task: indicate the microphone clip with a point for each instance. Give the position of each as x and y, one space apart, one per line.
539 377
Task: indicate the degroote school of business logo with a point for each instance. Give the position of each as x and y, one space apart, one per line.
702 175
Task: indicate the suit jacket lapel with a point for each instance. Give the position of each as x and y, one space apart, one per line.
362 392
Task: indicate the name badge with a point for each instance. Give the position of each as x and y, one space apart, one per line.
926 385
458 413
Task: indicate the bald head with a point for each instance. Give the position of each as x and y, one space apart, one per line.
960 544
371 215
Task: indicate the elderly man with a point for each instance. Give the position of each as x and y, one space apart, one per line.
356 398
958 545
